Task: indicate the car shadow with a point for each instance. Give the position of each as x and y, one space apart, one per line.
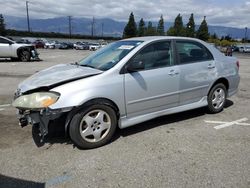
7 60
10 182
164 120
60 138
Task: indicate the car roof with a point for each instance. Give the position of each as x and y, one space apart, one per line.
155 38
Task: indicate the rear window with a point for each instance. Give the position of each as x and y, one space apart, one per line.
190 52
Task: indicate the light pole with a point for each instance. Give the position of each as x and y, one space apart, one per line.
28 19
93 27
245 34
70 29
102 29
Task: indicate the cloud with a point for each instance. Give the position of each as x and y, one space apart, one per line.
227 13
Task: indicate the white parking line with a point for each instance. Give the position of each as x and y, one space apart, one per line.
1 109
5 105
227 124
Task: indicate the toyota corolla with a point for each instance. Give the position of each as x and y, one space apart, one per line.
126 83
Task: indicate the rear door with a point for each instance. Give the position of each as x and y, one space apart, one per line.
197 70
156 86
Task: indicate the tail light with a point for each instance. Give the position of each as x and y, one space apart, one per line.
238 64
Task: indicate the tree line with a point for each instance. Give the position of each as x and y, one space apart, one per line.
178 29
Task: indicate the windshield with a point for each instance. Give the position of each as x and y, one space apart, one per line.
110 55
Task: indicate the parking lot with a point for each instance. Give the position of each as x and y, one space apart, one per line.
189 149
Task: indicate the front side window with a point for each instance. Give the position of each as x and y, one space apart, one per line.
4 41
110 55
155 55
190 52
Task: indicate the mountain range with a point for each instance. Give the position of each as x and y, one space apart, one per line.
102 26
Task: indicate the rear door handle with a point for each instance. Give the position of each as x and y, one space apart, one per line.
210 66
173 72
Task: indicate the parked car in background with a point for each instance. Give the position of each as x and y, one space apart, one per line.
64 45
235 48
24 41
229 51
49 44
38 44
13 50
82 46
52 44
244 49
76 44
70 45
94 46
126 83
103 44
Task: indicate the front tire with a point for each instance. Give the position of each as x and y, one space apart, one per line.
217 98
24 56
93 127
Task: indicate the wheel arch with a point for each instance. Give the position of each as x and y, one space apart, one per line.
104 101
22 48
222 80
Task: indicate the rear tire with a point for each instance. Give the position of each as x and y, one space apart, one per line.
217 98
93 127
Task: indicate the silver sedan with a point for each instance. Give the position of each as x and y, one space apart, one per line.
126 83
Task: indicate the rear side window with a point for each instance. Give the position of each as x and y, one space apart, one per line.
190 52
155 55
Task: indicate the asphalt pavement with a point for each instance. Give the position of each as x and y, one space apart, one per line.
190 149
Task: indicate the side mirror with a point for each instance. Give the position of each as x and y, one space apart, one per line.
10 43
135 66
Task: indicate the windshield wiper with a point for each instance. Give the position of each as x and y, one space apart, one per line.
86 65
76 63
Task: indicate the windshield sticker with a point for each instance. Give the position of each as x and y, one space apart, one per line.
126 47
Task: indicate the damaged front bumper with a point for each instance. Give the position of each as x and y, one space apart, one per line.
34 54
41 118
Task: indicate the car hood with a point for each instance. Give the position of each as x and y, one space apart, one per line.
55 76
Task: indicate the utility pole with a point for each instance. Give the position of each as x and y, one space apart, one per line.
245 34
93 27
70 18
102 29
28 19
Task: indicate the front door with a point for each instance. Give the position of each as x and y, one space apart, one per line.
156 86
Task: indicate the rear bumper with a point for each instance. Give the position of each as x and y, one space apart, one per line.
233 85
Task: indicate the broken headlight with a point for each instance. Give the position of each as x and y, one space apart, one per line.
36 100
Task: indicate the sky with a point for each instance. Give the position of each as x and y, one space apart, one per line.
234 13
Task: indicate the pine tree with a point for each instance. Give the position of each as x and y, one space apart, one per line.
130 30
178 25
214 36
171 31
178 28
190 28
150 31
202 32
141 28
160 27
2 26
